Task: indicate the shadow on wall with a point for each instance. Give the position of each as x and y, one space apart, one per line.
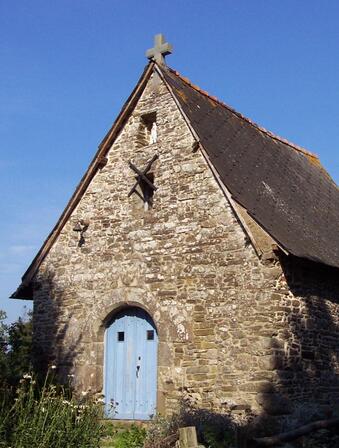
313 345
305 356
54 340
308 375
305 351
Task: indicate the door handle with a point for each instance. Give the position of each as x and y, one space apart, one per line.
138 366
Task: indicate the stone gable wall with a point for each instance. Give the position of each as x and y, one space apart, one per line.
223 317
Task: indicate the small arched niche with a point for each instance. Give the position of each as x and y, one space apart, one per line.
130 372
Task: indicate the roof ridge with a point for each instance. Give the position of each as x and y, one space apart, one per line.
248 120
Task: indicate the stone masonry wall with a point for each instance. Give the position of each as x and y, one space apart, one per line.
227 335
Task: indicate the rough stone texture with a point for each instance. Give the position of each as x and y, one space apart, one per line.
233 332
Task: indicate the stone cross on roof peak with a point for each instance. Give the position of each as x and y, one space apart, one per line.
160 50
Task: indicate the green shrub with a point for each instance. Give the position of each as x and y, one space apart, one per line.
133 437
15 349
48 417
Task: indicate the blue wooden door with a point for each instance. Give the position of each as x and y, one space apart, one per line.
131 343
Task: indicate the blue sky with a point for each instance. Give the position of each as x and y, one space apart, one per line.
67 66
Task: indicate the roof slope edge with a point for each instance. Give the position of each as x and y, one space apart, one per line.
243 117
24 290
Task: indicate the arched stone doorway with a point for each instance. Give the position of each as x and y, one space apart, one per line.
130 373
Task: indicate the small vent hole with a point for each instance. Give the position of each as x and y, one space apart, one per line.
150 335
121 336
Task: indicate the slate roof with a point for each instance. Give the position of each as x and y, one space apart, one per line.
283 187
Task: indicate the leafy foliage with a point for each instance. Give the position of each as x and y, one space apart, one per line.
20 348
34 416
15 349
132 437
48 417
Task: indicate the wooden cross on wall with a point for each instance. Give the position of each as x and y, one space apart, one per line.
142 180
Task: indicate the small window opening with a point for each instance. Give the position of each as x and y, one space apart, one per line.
150 335
121 336
147 134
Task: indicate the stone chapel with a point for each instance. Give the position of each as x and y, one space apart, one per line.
198 255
